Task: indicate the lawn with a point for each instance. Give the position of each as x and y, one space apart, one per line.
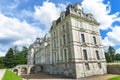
115 78
10 76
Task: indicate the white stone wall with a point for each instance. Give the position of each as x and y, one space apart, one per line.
90 47
30 56
63 53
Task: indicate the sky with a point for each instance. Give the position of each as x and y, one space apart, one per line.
21 21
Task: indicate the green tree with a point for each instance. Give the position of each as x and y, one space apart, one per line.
108 57
9 59
111 51
15 50
2 62
15 57
21 56
117 57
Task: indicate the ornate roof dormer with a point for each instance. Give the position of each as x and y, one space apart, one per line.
78 6
76 11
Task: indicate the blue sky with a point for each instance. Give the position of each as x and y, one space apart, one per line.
24 20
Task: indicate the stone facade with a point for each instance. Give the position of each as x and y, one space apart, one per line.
73 47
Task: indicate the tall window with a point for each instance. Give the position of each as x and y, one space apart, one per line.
34 59
55 57
85 54
54 44
83 37
64 40
61 52
87 66
65 55
94 39
97 54
54 34
99 65
63 27
60 42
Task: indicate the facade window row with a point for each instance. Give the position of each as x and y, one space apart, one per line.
85 55
63 57
62 41
83 39
87 66
59 31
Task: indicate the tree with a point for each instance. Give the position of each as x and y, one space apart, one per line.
117 57
111 52
9 59
21 56
15 57
2 62
15 49
108 57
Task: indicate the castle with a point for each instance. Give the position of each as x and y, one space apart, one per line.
72 48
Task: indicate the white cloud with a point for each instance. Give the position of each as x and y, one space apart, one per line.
24 14
107 42
101 12
113 37
118 50
47 13
13 32
2 53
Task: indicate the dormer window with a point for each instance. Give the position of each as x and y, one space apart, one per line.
62 15
78 6
80 14
54 23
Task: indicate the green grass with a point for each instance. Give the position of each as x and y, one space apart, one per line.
115 78
10 76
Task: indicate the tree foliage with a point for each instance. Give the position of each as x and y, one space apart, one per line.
111 56
111 52
108 57
21 57
117 57
2 62
9 59
14 57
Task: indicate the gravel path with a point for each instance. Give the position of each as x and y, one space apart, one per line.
102 77
2 72
45 76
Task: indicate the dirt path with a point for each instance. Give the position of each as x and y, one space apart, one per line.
103 77
2 72
42 76
45 76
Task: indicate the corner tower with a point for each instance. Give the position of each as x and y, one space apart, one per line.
76 44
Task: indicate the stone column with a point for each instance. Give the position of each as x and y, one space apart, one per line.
28 69
19 71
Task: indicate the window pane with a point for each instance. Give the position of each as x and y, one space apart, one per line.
83 37
65 55
85 55
99 65
64 40
87 66
97 54
94 39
